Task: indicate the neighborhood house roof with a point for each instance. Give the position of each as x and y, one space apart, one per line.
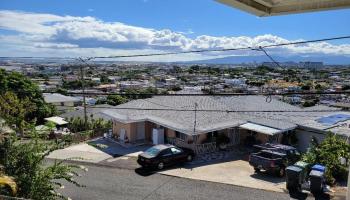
57 120
58 98
217 113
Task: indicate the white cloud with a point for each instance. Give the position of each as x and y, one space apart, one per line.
88 36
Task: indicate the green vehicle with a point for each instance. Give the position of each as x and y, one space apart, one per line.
296 175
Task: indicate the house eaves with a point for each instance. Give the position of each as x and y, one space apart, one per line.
282 7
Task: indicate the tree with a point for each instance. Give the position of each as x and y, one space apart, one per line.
328 153
24 161
24 88
104 79
116 100
76 124
15 110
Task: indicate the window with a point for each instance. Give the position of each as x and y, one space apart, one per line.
166 152
153 151
175 150
180 136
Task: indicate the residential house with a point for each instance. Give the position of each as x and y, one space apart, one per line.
61 102
238 117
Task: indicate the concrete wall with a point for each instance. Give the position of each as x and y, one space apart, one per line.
170 133
149 126
130 129
202 138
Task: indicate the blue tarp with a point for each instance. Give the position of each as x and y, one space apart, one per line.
333 119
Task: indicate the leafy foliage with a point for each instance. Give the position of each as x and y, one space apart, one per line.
24 161
15 110
328 153
115 100
77 124
133 93
78 84
26 90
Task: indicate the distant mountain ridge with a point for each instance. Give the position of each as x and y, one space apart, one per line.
330 60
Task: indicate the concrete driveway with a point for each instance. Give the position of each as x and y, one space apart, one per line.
82 152
235 171
97 151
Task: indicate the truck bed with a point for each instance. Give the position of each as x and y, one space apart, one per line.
264 159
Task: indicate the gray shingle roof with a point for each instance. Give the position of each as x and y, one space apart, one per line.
207 121
95 111
57 98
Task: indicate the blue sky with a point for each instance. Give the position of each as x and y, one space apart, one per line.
186 21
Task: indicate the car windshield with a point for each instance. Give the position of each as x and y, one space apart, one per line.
153 151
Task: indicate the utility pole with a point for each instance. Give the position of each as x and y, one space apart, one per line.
84 99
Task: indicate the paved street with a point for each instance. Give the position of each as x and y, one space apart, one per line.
110 183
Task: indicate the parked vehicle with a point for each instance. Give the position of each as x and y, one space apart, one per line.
271 161
297 175
293 153
160 156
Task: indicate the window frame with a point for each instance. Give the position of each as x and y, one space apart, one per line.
179 151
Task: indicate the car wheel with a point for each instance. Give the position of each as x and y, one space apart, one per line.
160 165
189 158
281 172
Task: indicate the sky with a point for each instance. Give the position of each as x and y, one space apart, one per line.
72 28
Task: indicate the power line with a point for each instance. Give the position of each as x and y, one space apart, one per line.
270 57
222 50
196 94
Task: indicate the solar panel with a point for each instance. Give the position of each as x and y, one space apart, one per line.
333 119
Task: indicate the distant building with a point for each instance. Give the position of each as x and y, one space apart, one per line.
235 82
96 80
311 65
133 84
114 79
61 102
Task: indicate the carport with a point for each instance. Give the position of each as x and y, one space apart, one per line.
260 133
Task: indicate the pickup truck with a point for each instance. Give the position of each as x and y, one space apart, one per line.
270 161
291 152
